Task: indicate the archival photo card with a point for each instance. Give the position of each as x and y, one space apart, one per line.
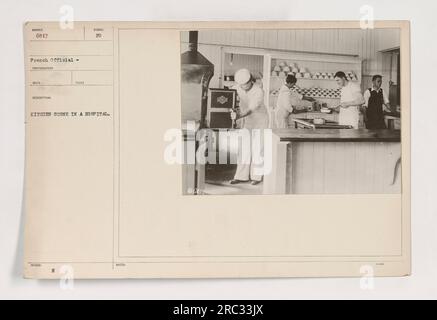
217 149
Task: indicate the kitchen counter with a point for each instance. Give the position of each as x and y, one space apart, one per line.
334 161
333 116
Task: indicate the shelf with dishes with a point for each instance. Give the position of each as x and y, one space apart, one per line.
283 68
314 92
315 75
303 79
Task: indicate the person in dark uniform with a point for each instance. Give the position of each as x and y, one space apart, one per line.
376 102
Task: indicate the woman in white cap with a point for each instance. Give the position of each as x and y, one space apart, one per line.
252 114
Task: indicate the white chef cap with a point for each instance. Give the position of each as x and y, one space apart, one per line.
242 76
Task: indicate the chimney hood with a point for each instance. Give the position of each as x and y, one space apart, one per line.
196 73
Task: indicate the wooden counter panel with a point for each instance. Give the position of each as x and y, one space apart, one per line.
307 162
338 167
338 135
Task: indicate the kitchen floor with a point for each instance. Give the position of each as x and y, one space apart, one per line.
217 182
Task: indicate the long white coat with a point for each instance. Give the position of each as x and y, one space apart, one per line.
250 160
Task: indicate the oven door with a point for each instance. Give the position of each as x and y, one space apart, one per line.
221 102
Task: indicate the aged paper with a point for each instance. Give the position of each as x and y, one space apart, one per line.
101 201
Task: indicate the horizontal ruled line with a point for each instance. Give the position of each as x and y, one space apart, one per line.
70 55
219 261
70 85
34 40
81 70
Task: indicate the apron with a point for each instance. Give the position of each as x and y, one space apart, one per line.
287 99
281 116
349 116
374 111
258 119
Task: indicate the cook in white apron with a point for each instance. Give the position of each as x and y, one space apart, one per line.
252 115
351 99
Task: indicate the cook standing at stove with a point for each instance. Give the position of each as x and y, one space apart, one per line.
351 99
289 101
252 114
376 102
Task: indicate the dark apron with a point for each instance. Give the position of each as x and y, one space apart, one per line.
374 111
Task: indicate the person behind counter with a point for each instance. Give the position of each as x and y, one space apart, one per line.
376 102
252 114
351 99
289 101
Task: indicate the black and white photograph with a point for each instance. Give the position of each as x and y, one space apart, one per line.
291 111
